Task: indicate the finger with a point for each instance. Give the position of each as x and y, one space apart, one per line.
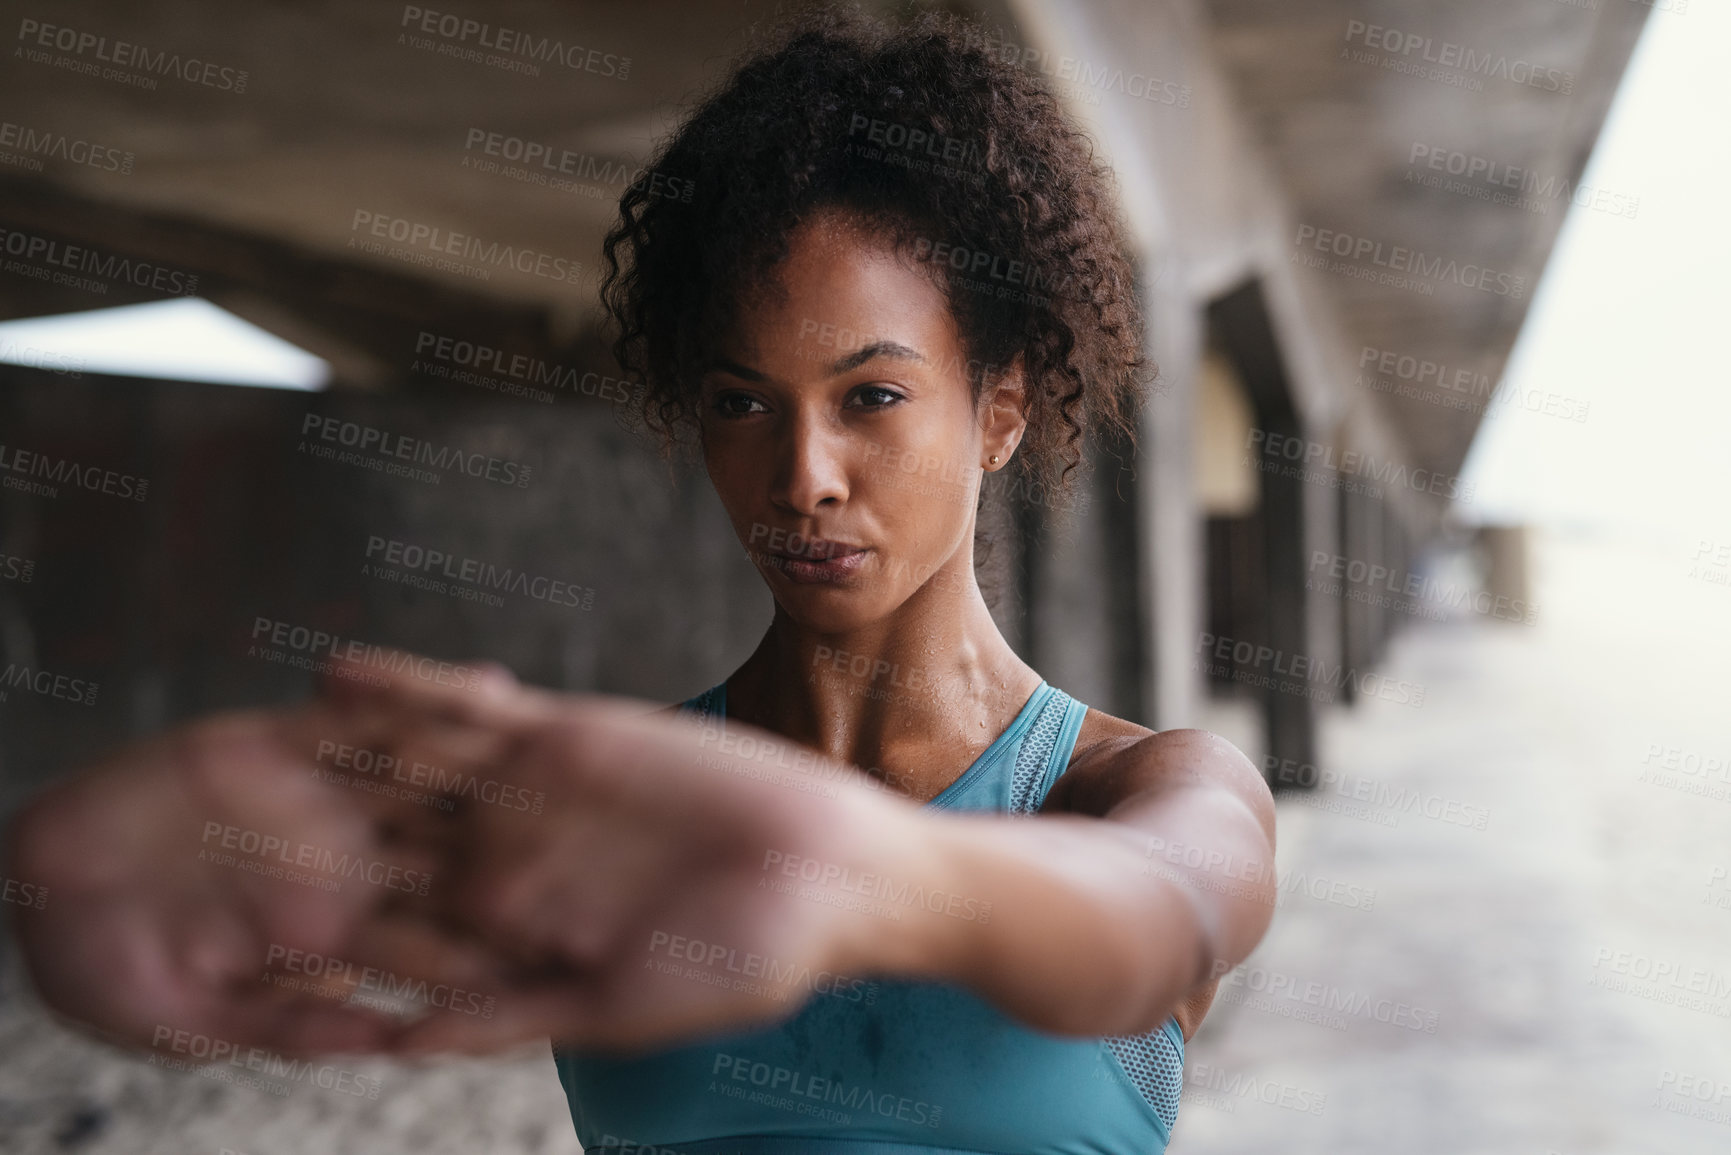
308 1027
411 957
515 1019
592 884
358 755
131 986
402 680
465 764
281 765
406 747
395 967
584 1011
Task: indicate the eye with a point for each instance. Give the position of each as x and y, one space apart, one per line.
735 405
875 397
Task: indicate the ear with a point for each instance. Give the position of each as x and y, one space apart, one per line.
1003 415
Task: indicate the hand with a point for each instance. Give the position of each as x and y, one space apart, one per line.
587 846
177 870
625 839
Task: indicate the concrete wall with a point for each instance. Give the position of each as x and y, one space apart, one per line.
157 600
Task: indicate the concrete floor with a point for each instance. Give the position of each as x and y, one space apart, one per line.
1452 991
61 1093
1502 932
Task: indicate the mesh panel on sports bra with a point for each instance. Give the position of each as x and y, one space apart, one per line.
1155 1066
1036 752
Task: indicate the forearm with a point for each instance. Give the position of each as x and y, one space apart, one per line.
1088 929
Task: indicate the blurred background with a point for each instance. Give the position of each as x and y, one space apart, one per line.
1428 512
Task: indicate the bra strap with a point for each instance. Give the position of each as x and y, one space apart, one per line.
1028 782
709 704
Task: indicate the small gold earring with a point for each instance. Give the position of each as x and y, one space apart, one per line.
994 459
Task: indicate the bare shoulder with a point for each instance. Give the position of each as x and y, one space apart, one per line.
1101 740
1099 727
1114 758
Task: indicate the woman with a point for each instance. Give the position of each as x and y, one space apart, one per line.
900 271
895 252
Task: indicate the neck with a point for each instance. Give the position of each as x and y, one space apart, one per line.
911 693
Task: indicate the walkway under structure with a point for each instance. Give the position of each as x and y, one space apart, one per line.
1556 982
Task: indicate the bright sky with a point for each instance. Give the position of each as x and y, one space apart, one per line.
186 338
1632 317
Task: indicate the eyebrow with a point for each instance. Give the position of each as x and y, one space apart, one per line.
735 369
845 364
876 349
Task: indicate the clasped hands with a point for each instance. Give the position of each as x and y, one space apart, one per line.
416 867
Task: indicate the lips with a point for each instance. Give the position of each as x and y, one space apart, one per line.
819 549
821 561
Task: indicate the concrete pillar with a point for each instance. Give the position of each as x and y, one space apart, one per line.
1172 545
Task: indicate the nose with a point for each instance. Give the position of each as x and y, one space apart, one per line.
810 465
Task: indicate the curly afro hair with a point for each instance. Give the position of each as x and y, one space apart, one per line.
929 137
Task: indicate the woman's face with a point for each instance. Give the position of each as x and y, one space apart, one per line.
841 433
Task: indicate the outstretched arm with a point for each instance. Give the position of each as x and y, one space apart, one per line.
610 877
1150 873
677 860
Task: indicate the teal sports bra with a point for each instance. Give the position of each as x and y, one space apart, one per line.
889 1066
